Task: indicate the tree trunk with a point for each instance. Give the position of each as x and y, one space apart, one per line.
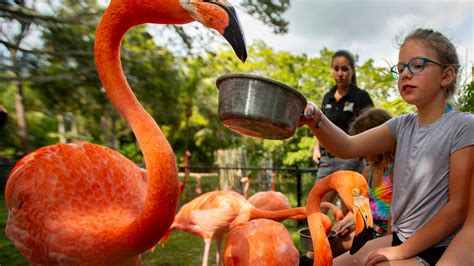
61 128
229 179
108 126
21 117
264 177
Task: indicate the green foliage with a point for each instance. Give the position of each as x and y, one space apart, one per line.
269 12
465 102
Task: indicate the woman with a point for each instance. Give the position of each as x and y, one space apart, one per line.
341 105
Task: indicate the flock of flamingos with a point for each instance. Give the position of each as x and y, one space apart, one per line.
85 204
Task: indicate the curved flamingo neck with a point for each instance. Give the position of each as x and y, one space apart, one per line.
322 254
162 177
246 190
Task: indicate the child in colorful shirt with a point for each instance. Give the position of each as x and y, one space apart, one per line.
379 177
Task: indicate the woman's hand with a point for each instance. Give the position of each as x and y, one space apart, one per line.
384 254
310 113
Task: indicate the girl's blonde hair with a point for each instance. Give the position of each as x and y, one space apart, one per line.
369 118
443 47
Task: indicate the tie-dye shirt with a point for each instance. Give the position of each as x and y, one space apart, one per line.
380 199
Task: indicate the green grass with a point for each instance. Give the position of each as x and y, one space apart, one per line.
8 254
182 248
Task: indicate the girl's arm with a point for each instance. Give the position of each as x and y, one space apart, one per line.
373 141
445 221
459 251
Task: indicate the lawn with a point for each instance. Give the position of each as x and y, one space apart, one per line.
182 248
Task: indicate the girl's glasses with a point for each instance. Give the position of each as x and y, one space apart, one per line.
416 65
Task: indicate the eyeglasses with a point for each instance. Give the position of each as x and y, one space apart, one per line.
416 65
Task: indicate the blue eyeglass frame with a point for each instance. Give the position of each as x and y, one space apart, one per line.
396 73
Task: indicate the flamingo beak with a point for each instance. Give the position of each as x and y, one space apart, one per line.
233 33
363 221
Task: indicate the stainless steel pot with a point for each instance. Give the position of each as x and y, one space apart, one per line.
305 239
259 107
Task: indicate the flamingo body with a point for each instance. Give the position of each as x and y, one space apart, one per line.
58 211
270 201
260 242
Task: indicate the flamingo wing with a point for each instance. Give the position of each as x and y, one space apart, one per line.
68 200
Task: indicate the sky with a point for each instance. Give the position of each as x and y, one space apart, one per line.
367 28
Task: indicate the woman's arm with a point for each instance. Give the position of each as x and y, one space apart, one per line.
445 221
373 141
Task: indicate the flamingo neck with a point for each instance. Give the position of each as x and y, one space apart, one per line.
246 190
321 247
162 178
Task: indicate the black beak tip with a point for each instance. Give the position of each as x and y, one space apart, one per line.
243 56
360 240
237 41
234 34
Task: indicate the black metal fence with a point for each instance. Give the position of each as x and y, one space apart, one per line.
292 174
295 172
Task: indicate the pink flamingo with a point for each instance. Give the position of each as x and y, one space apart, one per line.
353 189
338 215
86 204
266 200
260 242
214 213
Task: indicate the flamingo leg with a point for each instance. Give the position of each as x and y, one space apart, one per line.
207 245
218 250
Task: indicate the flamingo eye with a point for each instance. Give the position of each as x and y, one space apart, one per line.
355 192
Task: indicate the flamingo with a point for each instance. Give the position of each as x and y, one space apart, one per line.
338 215
263 242
89 205
198 189
353 189
214 213
266 200
260 242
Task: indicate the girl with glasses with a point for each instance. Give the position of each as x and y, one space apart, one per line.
433 147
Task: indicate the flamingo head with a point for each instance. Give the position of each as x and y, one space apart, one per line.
363 221
215 14
354 191
221 16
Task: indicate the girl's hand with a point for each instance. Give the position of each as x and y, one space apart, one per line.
310 113
384 254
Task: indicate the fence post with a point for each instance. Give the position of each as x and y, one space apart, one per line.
298 185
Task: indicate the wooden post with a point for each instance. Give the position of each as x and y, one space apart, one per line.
231 161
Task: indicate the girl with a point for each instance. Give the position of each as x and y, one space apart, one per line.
434 148
379 177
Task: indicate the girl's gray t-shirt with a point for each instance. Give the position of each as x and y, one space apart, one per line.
421 168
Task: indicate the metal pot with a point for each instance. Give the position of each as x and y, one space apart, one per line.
259 107
305 239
